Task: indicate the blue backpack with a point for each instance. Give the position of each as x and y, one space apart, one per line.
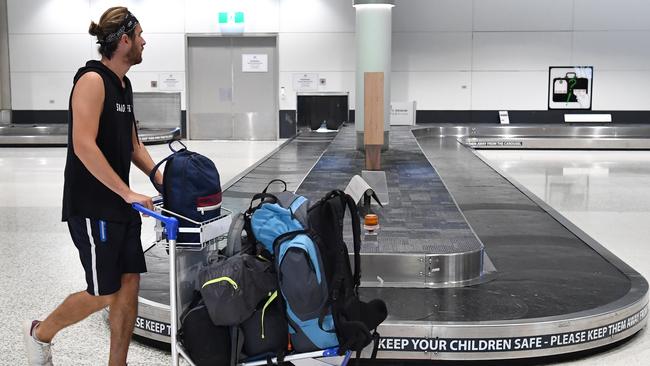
191 188
315 278
280 228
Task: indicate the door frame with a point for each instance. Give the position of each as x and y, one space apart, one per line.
276 73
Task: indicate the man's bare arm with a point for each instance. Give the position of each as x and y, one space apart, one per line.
87 105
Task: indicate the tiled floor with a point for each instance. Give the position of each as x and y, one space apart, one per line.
39 263
605 193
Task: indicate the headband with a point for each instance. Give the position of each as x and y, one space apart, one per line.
127 26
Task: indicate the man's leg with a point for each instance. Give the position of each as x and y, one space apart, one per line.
100 263
74 308
123 311
98 259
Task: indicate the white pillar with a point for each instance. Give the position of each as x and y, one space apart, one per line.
5 92
373 39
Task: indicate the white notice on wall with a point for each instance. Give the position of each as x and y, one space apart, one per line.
402 113
305 82
504 118
170 81
254 63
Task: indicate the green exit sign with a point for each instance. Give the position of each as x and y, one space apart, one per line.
225 17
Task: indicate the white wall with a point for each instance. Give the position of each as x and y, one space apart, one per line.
495 54
447 54
49 41
317 36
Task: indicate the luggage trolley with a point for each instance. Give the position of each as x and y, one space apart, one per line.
210 232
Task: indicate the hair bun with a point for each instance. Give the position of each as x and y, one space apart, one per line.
94 29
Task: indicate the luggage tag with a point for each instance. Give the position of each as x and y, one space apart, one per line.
560 89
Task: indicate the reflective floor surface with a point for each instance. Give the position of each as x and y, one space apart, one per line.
607 194
40 265
604 193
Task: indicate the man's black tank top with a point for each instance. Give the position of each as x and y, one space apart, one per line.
83 194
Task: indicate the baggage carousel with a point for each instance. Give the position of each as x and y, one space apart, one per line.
57 135
471 265
548 137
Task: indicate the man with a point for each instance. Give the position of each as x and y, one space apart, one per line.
102 143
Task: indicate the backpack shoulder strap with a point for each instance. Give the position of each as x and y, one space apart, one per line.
356 236
196 299
152 173
234 244
345 200
273 181
264 198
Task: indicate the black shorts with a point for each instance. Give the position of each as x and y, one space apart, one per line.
107 250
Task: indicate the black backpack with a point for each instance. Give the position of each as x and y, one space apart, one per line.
206 343
266 332
191 188
355 321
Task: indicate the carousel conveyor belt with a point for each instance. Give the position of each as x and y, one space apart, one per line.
544 286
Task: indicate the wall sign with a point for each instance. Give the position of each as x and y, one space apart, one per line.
231 22
170 81
402 113
305 82
254 62
504 118
570 87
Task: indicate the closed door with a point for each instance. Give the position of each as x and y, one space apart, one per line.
232 84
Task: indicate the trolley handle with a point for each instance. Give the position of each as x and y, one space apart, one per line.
171 223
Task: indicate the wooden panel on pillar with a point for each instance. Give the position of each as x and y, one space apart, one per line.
373 118
373 108
373 157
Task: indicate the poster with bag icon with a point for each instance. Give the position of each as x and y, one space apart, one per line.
570 87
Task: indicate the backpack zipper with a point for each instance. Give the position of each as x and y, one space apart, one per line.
268 302
221 279
208 208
